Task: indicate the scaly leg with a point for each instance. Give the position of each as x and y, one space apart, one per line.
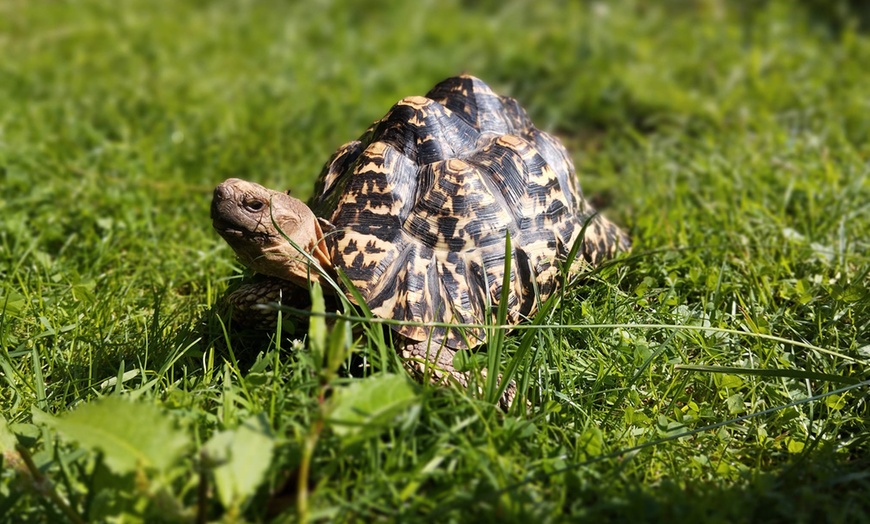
424 359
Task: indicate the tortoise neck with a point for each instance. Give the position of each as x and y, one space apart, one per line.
304 273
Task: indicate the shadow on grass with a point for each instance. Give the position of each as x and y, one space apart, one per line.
818 486
838 16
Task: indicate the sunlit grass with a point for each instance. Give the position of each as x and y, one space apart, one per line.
717 373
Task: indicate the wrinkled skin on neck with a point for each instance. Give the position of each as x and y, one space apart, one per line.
252 218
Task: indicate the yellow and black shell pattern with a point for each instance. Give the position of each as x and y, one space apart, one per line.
423 201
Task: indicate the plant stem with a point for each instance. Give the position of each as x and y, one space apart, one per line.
46 487
304 471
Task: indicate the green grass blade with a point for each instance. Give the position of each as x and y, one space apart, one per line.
785 373
495 342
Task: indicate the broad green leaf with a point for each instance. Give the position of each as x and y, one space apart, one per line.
7 438
12 304
41 417
243 455
795 446
130 435
370 404
735 404
835 401
115 497
591 442
730 381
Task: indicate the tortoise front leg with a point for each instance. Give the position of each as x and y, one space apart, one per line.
251 302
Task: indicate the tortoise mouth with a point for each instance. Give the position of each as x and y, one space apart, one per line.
236 233
232 230
222 221
224 211
227 231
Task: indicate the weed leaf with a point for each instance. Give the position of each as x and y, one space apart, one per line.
367 406
7 438
130 435
243 455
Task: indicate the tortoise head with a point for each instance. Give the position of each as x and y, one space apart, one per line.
257 223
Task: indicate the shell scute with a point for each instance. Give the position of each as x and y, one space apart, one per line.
423 201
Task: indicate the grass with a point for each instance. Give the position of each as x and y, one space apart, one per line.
718 373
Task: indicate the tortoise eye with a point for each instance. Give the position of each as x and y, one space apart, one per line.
253 205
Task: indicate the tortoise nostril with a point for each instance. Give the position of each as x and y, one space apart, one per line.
222 192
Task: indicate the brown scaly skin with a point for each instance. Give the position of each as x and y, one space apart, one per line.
416 213
257 223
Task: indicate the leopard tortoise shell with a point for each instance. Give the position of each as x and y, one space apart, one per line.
416 212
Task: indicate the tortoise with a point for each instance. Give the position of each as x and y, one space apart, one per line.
416 213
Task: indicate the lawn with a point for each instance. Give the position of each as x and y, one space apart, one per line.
718 373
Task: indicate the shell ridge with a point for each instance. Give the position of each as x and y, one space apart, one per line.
385 285
424 130
514 211
423 200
